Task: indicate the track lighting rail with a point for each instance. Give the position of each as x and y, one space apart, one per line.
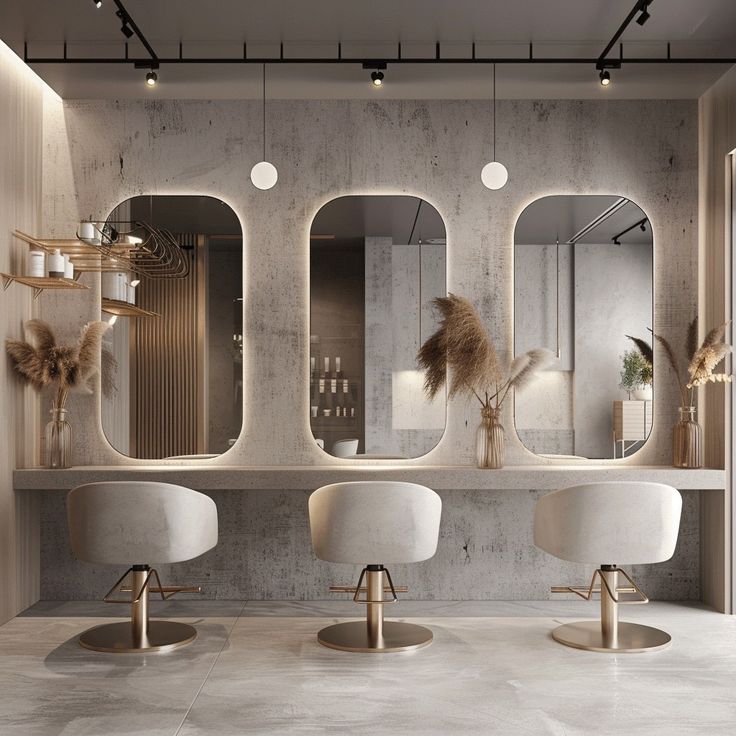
127 20
339 58
639 7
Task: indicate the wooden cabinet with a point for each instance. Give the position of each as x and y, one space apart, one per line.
632 423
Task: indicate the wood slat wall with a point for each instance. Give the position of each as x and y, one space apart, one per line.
167 417
717 130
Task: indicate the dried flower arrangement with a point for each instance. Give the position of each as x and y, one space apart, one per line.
702 361
44 363
463 344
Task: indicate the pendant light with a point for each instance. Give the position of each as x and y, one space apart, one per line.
494 174
264 174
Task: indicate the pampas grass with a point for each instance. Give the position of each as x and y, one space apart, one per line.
463 345
701 361
45 364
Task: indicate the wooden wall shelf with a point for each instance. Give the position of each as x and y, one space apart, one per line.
41 283
125 309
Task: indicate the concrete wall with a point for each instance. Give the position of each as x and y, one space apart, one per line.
99 153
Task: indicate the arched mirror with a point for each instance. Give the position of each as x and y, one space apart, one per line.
376 264
583 289
175 300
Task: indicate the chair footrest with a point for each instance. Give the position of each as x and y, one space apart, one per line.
171 589
363 589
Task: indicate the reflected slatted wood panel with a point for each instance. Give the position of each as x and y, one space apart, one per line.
167 413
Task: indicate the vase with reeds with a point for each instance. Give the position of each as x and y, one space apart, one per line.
47 365
463 345
490 439
687 435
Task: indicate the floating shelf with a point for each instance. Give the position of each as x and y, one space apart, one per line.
41 283
125 309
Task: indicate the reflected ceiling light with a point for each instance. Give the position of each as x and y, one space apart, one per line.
112 320
494 175
377 78
605 76
151 78
264 174
135 282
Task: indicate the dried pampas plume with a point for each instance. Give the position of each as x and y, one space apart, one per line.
44 364
463 345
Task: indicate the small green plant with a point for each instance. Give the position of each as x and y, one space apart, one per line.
636 372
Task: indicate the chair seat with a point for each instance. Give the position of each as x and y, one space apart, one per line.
617 523
374 522
132 522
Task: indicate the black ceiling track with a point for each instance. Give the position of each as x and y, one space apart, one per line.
601 62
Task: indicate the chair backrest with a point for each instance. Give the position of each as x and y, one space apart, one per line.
139 522
345 448
374 522
619 523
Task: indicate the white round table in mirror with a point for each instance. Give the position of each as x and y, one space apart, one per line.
376 265
177 318
583 288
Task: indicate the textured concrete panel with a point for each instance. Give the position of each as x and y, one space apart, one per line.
485 552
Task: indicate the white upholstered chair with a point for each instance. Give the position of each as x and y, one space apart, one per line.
345 448
139 524
610 524
374 523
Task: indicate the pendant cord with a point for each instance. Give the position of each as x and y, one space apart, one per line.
264 112
494 112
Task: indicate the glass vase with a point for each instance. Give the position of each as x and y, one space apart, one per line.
489 439
58 441
687 440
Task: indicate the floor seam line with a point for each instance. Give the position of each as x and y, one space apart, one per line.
209 671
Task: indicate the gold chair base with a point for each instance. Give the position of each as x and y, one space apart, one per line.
354 636
588 635
118 638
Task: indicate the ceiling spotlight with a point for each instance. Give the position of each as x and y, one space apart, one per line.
151 78
644 16
377 78
605 76
97 3
125 28
642 227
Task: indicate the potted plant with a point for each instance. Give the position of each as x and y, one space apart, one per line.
463 344
636 371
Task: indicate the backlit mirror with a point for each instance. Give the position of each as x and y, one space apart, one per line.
376 264
176 306
583 289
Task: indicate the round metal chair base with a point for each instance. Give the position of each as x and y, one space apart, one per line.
163 636
631 637
353 637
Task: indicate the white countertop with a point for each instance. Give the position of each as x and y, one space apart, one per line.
445 477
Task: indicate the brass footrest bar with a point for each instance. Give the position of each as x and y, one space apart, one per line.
363 589
165 591
172 589
593 589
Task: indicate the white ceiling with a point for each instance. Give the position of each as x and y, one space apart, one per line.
372 30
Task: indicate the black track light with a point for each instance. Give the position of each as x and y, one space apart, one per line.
644 16
151 78
377 78
97 3
642 227
605 76
125 29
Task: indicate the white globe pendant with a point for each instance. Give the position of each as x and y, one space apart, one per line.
494 175
264 175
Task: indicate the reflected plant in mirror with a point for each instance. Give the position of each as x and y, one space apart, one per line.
462 345
583 272
376 264
177 329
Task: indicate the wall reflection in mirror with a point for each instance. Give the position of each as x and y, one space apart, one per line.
176 336
376 262
583 288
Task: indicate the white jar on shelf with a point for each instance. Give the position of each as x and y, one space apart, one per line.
55 265
36 263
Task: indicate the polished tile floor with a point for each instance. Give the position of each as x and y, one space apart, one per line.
256 668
